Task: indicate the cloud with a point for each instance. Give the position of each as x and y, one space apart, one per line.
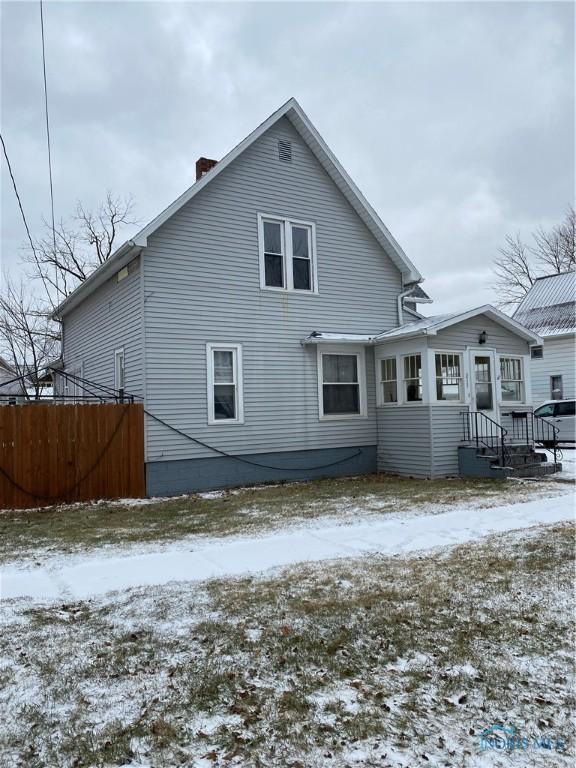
455 119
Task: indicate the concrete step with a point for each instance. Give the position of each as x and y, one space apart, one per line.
539 469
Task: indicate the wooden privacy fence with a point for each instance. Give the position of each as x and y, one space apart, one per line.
52 453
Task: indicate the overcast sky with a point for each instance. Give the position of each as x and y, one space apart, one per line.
456 119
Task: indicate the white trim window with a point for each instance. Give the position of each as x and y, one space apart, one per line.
341 384
119 369
287 254
449 379
413 378
388 380
225 386
511 380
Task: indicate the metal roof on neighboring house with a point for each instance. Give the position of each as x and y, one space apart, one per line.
549 307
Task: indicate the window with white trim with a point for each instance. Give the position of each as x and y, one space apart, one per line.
413 378
388 380
119 369
224 367
448 372
287 254
511 381
537 353
341 384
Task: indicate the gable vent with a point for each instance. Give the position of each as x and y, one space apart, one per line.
285 150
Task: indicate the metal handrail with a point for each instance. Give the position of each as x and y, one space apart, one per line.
483 430
535 430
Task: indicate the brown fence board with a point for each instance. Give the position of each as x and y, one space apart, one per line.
52 453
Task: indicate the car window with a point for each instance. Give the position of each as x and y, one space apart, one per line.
545 410
566 409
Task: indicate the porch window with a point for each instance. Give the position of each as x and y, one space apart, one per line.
448 377
388 380
224 383
413 378
511 383
341 394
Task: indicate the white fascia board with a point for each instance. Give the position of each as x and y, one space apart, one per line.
498 317
119 259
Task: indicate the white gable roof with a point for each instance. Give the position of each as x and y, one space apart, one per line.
293 112
427 326
430 326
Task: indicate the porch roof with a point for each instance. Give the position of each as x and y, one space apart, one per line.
430 326
426 326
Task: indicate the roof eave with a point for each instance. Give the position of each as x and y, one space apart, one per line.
117 260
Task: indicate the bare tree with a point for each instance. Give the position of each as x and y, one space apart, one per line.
519 264
65 256
29 338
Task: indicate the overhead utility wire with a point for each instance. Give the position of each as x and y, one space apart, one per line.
48 142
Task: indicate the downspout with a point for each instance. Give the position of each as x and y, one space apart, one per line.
401 297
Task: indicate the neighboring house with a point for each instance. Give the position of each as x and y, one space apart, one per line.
11 386
270 315
549 309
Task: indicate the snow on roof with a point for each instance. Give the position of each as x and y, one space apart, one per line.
436 323
418 296
549 307
428 326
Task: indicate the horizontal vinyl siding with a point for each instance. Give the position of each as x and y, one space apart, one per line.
108 319
466 333
404 440
447 434
202 283
559 360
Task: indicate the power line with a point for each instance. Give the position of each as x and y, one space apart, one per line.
16 192
48 141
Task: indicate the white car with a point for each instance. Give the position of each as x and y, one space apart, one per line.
562 415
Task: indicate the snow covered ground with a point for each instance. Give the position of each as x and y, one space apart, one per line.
395 662
568 463
83 577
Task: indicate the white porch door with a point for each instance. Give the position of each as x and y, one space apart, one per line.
483 375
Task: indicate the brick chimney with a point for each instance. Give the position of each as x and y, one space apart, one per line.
203 165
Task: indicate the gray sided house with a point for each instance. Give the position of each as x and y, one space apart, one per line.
549 309
268 320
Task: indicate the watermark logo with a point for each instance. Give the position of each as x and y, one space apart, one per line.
505 737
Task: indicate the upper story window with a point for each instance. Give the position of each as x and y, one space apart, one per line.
448 376
413 378
287 254
511 383
224 368
537 353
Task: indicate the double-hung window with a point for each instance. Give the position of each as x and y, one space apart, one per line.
224 364
413 378
511 382
341 378
287 254
448 376
388 380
